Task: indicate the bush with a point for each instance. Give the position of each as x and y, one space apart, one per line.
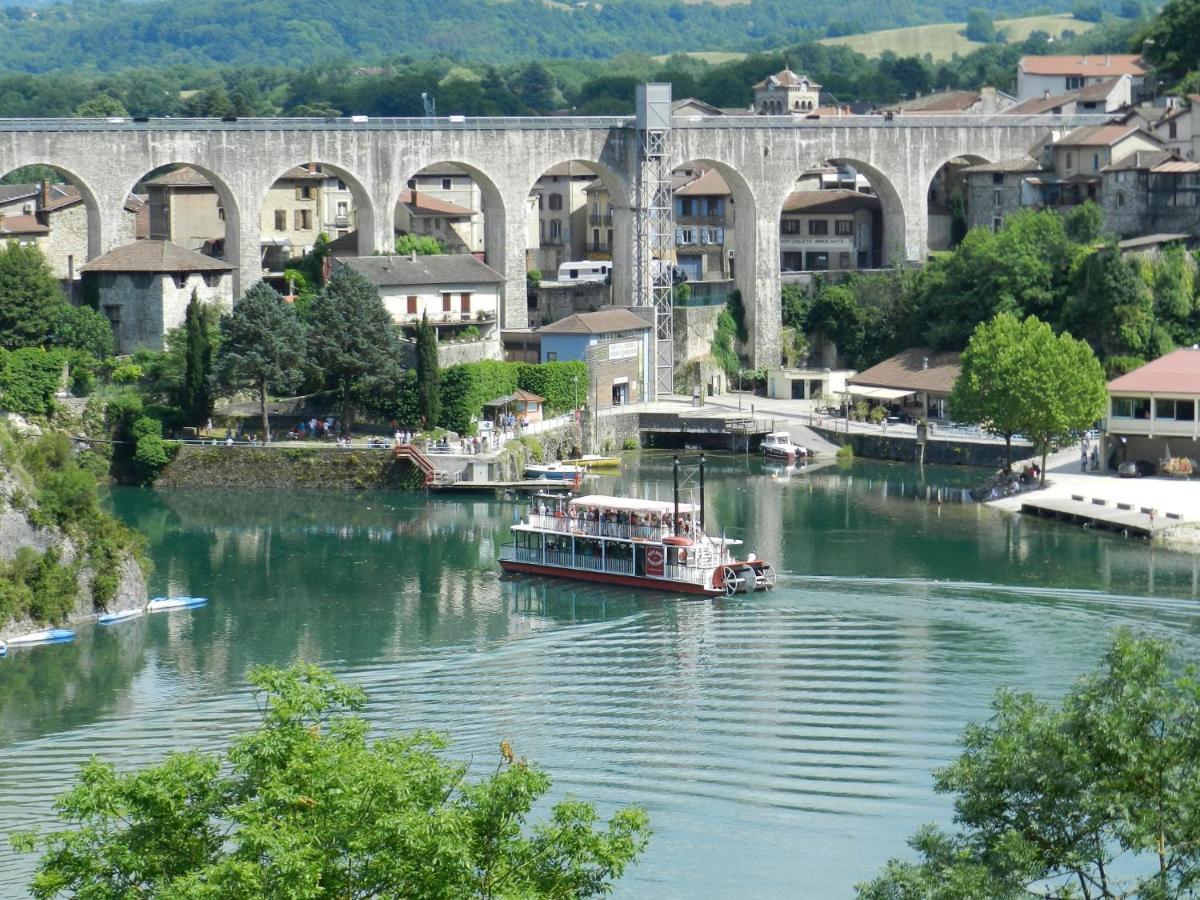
536 450
29 379
559 382
129 373
34 584
845 452
466 387
630 443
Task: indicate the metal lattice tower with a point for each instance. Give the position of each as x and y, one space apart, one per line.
654 227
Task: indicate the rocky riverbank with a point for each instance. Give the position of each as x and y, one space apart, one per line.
289 468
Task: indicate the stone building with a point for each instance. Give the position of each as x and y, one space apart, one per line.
704 223
1152 192
291 218
452 225
830 230
455 290
786 92
562 205
143 289
185 210
616 345
994 190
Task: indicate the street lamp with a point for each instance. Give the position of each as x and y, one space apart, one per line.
575 385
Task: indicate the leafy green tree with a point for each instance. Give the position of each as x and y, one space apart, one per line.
535 85
420 244
262 347
984 392
980 26
1113 307
1087 10
795 303
306 805
29 296
1083 223
1094 798
81 328
429 380
99 107
351 335
1172 41
197 372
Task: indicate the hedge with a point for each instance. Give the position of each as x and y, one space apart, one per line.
466 387
561 383
29 378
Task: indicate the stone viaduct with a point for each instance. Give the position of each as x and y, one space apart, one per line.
760 158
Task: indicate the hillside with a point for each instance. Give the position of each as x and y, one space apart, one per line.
115 34
943 41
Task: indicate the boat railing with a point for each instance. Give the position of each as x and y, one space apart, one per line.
589 562
589 528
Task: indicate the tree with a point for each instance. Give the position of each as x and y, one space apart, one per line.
262 347
29 295
305 805
1063 387
351 335
1095 798
197 364
980 27
100 106
1172 42
1021 377
1083 223
983 392
420 244
429 383
1087 10
81 328
535 85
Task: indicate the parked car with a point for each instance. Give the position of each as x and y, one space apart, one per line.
1136 468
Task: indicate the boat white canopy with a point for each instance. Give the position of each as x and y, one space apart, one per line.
630 504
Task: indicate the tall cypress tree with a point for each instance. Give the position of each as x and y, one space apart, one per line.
197 389
429 388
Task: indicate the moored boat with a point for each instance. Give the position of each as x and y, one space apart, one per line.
554 472
46 636
3 649
592 461
162 604
633 542
779 445
120 616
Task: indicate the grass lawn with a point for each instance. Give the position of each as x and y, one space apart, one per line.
943 41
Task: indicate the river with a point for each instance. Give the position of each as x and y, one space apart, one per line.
782 742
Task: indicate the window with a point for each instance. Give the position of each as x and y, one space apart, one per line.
1070 160
465 299
343 208
1172 129
595 238
718 234
685 206
302 219
843 228
609 244
1131 407
686 236
1095 162
790 226
818 226
412 304
551 356
212 279
555 230
997 178
1179 410
281 220
714 206
1120 198
221 213
341 185
445 184
997 223
180 280
816 262
446 301
1074 82
304 192
113 314
844 260
556 201
997 197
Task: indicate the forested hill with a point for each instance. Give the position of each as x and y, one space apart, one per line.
117 34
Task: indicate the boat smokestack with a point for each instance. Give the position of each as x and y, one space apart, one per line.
675 520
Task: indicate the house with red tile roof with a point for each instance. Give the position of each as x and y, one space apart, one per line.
1152 410
1049 76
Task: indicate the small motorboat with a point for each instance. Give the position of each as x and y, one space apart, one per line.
120 616
592 461
778 445
164 604
554 472
3 649
48 636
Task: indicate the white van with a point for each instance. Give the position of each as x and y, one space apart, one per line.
596 270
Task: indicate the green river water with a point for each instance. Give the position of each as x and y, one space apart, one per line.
781 742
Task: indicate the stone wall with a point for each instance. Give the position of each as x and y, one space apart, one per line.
558 299
937 452
451 354
292 468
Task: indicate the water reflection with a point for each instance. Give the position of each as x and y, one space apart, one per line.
800 725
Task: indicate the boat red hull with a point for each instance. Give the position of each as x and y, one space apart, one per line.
608 578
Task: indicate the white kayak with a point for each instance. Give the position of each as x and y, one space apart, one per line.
162 604
120 616
48 636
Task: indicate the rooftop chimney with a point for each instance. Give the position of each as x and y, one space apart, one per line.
44 196
1046 94
1107 61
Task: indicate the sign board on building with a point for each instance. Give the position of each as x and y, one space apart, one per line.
793 242
624 350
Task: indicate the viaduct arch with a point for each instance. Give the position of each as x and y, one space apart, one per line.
760 157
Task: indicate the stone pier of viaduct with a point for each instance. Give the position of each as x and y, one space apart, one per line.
760 158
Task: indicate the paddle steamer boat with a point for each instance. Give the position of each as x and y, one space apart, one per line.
656 544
